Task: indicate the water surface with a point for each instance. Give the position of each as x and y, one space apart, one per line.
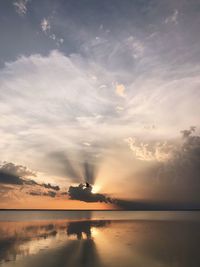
110 238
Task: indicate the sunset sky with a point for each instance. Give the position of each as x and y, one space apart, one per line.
111 85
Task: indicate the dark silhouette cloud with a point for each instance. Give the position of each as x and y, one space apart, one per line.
6 178
84 193
49 186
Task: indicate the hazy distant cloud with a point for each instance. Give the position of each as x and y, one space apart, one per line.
120 90
173 18
38 193
135 46
21 6
45 25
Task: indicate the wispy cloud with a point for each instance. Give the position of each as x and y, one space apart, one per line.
172 18
45 25
47 29
21 6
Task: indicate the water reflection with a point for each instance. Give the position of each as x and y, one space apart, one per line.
88 242
84 227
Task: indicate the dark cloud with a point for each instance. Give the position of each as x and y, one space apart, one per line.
38 193
6 178
8 175
152 205
49 186
187 133
84 193
18 170
176 180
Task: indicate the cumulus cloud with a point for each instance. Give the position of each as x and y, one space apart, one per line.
17 170
153 151
21 6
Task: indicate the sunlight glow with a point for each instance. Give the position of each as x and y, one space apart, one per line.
96 189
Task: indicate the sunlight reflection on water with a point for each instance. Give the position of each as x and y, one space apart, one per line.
99 239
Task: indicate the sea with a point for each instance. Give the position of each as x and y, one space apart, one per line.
99 238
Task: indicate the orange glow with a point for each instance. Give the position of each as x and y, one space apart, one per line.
49 203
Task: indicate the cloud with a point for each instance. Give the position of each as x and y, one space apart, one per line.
173 18
7 178
47 29
153 151
38 193
120 90
175 179
136 47
187 133
17 170
74 109
16 175
45 25
21 6
49 186
85 194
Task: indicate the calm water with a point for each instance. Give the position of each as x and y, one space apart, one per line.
110 238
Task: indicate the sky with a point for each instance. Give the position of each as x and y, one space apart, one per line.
100 91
